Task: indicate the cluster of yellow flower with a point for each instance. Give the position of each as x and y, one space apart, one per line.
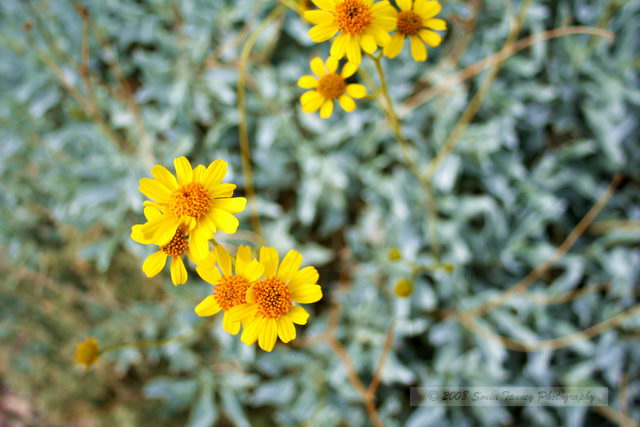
183 214
362 25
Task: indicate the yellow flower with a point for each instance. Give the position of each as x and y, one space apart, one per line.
175 248
229 289
414 19
87 352
395 254
329 86
269 312
361 24
403 288
197 200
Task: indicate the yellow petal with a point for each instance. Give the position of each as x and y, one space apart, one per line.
269 259
327 109
286 330
308 82
306 276
253 271
208 307
233 204
224 260
380 34
353 49
329 5
165 229
298 315
242 312
138 236
356 90
368 43
183 170
339 46
430 37
215 173
165 177
436 24
178 271
317 66
251 331
222 190
311 101
268 335
322 33
198 173
199 243
154 190
290 265
347 103
348 70
152 212
318 17
394 47
230 326
210 275
154 263
225 221
404 4
243 253
418 49
427 9
332 64
306 294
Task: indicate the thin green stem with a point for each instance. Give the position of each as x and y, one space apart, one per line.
405 149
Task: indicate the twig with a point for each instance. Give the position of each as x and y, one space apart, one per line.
567 296
616 416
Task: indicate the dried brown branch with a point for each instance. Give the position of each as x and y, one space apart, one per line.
616 416
472 324
386 349
466 73
541 269
615 224
567 296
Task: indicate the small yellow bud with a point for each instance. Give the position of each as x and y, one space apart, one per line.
403 288
448 268
87 352
395 254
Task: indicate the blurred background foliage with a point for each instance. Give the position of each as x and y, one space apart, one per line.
83 118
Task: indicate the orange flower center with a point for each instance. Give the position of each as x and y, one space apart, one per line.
409 23
353 16
231 291
331 86
191 200
273 297
176 246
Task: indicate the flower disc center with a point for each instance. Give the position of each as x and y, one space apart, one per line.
273 297
331 86
231 291
353 16
191 200
176 246
409 23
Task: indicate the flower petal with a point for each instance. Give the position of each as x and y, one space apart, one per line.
353 49
394 47
208 307
253 271
178 271
290 265
210 275
323 32
268 335
154 263
356 90
224 260
269 259
199 243
183 170
222 190
327 109
430 37
286 330
347 103
224 221
242 312
317 66
229 325
252 330
311 101
231 204
348 70
318 17
298 315
404 4
418 49
215 173
436 24
427 9
165 177
329 5
306 294
339 46
308 82
368 43
154 190
306 276
331 64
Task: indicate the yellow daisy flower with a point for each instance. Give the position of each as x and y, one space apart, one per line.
361 24
175 248
195 198
329 86
269 312
229 289
415 20
87 352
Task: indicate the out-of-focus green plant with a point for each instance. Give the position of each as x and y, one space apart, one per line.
478 167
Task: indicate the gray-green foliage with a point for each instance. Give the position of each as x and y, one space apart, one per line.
558 123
